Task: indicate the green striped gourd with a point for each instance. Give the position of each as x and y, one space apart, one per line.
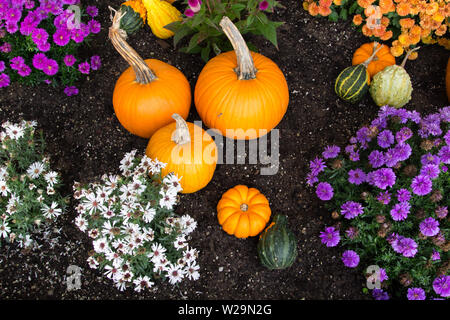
131 20
392 86
353 82
277 245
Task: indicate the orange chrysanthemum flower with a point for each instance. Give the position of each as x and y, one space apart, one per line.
441 30
386 6
397 51
407 23
357 19
404 39
313 9
324 11
432 8
365 3
325 3
366 31
413 55
386 36
337 2
403 9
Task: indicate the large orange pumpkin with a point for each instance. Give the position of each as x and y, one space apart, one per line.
243 211
243 94
148 92
188 150
382 59
447 79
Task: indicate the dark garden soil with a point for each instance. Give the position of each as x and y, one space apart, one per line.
85 140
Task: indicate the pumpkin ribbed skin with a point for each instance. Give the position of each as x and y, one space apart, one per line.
277 245
392 87
447 79
159 14
225 102
382 59
134 16
243 211
194 162
352 83
144 108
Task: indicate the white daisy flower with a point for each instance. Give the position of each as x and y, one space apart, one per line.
51 212
51 178
188 224
92 262
35 170
168 199
111 271
173 182
148 213
14 131
4 230
175 274
4 188
180 242
142 283
101 245
81 223
191 270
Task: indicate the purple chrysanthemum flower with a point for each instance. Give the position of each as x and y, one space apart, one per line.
429 227
403 134
384 197
408 247
416 294
383 178
400 211
444 154
441 212
50 67
331 152
13 15
351 209
421 185
92 11
84 67
445 114
430 170
317 166
77 35
189 13
385 138
350 258
351 233
379 294
61 37
356 176
69 60
330 237
402 151
447 137
12 27
376 159
39 36
4 80
382 275
263 5
6 47
96 62
311 179
44 47
390 157
2 66
363 135
441 285
324 191
24 70
39 60
403 195
94 26
430 159
16 63
71 91
435 255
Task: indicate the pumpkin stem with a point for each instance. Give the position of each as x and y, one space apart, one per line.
245 66
407 56
144 74
181 134
244 207
376 48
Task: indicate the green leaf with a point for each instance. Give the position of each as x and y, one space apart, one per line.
205 52
333 16
343 14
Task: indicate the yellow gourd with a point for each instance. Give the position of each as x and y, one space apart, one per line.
159 14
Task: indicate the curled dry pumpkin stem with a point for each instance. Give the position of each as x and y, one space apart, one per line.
407 56
144 74
244 207
245 66
376 48
181 134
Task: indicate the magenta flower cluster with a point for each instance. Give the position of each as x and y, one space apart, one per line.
25 27
389 188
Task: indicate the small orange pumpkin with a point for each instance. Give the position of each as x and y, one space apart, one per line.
243 94
383 57
148 92
188 150
447 79
243 211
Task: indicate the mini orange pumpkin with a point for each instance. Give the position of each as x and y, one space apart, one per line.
149 92
188 150
447 79
243 211
383 57
242 92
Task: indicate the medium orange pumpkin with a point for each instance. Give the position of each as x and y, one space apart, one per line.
447 79
188 150
148 92
241 90
382 59
243 211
